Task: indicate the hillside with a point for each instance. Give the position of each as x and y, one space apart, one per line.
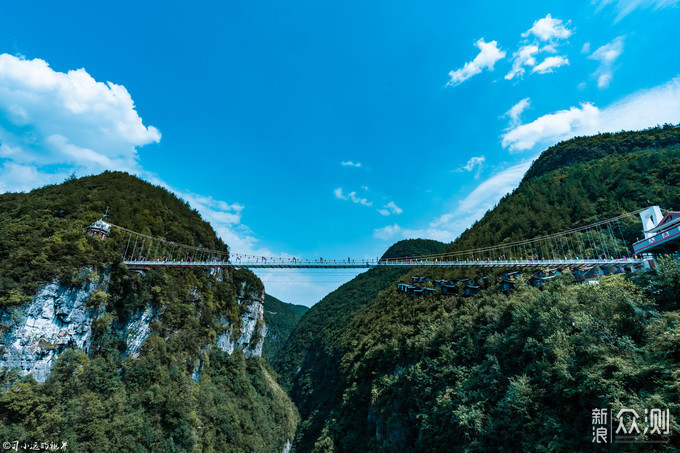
111 360
280 319
585 190
314 343
382 371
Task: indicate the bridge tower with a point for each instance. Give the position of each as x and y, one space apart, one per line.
650 218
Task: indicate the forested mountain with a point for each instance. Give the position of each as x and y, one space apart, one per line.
280 319
582 149
107 359
372 369
586 188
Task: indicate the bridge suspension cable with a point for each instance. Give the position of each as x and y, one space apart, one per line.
598 243
587 241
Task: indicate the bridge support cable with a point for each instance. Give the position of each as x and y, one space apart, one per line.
589 245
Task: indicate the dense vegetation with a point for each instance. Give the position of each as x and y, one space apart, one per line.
381 371
312 345
515 373
582 193
42 233
106 401
411 247
582 149
280 319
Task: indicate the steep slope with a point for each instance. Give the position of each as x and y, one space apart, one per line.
586 190
308 363
387 372
280 319
111 360
583 149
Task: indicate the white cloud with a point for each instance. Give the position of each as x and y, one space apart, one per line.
351 196
547 34
338 194
355 199
607 55
22 178
556 124
525 56
349 163
489 54
448 226
388 232
625 7
53 124
475 161
487 194
548 29
516 111
390 208
53 118
642 109
549 64
585 48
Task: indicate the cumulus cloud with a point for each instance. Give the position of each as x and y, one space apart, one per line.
390 208
352 196
546 35
625 7
349 163
642 109
525 56
550 63
489 54
607 56
53 124
51 118
448 226
56 123
516 111
548 29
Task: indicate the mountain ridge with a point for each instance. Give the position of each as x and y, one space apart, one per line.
390 372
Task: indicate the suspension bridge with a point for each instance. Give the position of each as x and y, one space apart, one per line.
600 243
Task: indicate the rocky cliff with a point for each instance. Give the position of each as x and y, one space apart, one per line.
58 317
62 316
162 360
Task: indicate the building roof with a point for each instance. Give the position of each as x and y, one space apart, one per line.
664 237
670 219
100 225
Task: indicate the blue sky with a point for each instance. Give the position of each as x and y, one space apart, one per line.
324 130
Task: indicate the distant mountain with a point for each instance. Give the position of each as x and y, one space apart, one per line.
372 369
280 318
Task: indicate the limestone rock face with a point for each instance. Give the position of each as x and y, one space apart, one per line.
253 329
56 318
138 328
